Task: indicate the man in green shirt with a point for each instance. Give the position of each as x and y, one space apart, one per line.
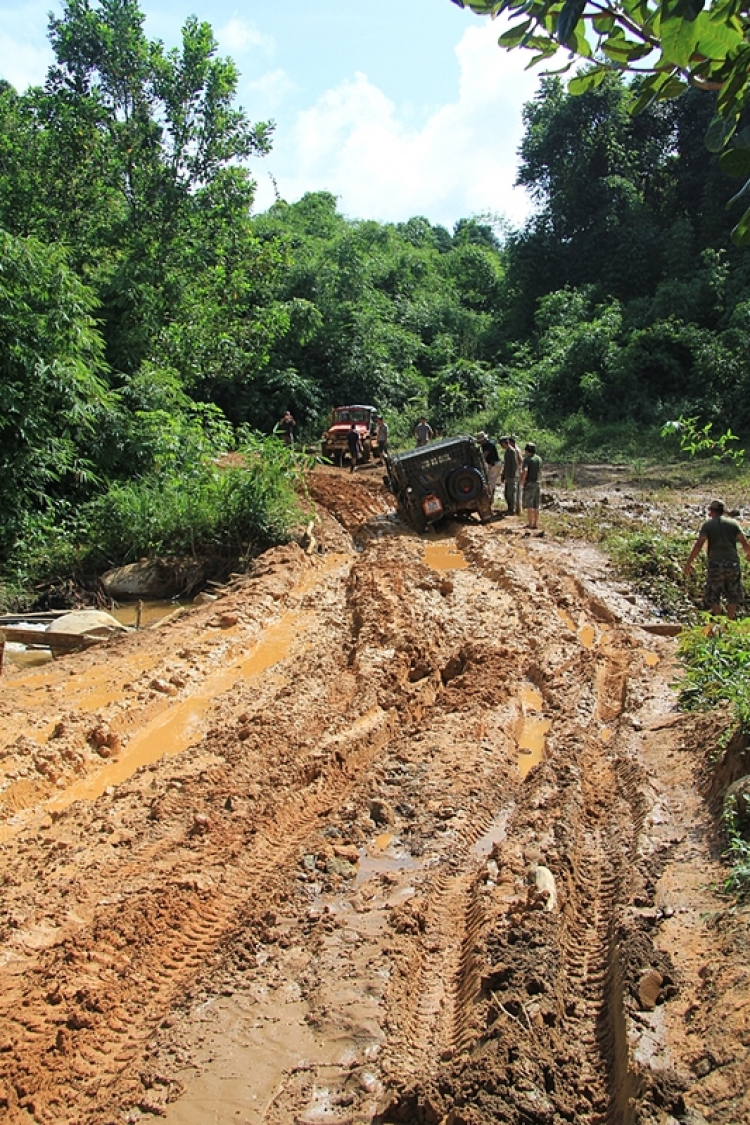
723 575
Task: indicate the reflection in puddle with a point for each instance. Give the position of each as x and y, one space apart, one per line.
182 724
444 555
531 731
150 612
531 699
382 862
531 743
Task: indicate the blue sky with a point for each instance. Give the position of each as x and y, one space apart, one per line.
398 107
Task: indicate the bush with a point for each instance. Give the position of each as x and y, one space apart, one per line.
232 509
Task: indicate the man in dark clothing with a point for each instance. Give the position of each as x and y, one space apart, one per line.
423 432
508 476
531 472
723 574
286 428
355 445
492 460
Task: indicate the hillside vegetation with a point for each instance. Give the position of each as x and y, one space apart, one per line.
150 322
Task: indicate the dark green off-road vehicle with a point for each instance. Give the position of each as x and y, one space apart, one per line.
443 478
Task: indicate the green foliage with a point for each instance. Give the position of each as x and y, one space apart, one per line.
737 882
716 672
228 512
676 46
650 560
51 386
695 439
716 668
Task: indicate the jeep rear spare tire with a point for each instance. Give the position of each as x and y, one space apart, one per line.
465 484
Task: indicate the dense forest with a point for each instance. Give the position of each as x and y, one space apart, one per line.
150 322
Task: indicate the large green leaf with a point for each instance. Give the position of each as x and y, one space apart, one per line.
582 83
741 233
735 161
679 41
515 35
718 133
568 19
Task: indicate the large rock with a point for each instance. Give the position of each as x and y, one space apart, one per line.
151 579
94 622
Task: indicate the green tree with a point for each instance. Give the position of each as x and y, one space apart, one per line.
671 45
52 387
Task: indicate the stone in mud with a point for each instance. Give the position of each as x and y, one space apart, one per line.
649 987
227 620
544 883
381 812
152 579
337 866
95 622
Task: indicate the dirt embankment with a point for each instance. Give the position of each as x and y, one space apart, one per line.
400 830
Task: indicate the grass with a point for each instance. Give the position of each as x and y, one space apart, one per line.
716 670
225 514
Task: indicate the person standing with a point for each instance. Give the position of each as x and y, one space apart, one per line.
286 428
423 432
531 472
354 442
723 574
492 459
519 466
509 475
381 434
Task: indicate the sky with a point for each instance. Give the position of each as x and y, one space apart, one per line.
397 107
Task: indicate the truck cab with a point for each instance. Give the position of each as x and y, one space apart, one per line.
334 445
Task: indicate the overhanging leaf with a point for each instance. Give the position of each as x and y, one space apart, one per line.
679 40
741 233
516 34
718 133
582 83
735 162
568 18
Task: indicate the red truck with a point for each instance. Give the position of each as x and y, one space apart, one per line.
334 445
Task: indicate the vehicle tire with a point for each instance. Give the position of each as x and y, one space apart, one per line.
338 459
465 485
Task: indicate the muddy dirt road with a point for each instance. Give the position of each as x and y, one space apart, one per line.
399 830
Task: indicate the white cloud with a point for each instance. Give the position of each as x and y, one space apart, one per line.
236 37
460 160
268 93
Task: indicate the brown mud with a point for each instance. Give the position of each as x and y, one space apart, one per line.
400 829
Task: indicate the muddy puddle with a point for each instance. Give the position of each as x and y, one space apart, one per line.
444 555
375 845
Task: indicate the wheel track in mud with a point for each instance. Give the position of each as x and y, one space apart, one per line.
440 1019
438 1004
437 1012
190 932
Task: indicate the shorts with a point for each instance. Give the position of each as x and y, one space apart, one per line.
532 494
723 580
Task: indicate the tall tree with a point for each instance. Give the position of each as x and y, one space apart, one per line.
672 46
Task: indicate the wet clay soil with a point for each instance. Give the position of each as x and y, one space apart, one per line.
399 829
